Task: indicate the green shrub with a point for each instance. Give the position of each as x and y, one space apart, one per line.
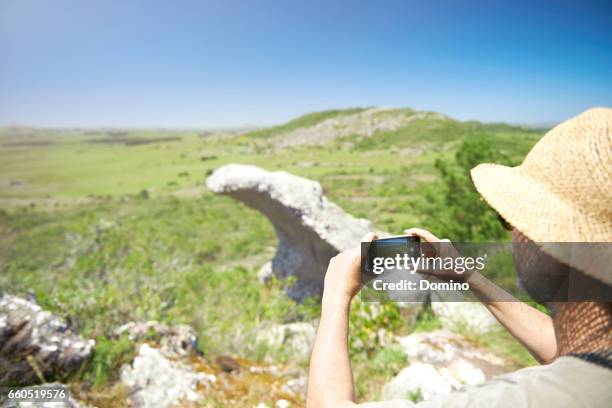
108 357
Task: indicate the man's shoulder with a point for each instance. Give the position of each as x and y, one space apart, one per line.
566 369
567 382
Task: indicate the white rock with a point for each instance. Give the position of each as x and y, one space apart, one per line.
155 381
296 338
442 347
470 316
310 229
465 372
417 379
27 330
265 272
282 404
457 361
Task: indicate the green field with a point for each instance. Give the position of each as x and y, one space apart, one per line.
112 226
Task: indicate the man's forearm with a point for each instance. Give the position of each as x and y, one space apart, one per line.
330 382
528 325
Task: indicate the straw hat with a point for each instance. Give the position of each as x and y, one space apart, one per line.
562 192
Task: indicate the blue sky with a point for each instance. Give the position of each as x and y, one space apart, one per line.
229 63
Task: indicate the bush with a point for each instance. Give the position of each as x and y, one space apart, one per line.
108 357
456 210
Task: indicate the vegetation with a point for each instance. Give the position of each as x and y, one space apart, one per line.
464 216
105 233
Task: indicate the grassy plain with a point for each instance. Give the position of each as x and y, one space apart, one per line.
104 233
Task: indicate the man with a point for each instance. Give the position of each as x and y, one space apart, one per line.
562 192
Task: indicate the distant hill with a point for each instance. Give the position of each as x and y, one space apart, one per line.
377 128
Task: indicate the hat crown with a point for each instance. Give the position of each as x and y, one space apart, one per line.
561 192
574 162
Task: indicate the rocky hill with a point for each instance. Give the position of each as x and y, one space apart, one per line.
361 124
376 128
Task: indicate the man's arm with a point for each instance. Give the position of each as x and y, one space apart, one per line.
330 380
532 328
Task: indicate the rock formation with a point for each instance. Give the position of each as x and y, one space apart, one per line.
471 316
418 381
441 362
310 229
442 347
295 338
156 381
35 345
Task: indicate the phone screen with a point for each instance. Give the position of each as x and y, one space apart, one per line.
389 248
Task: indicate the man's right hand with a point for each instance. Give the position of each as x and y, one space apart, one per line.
443 248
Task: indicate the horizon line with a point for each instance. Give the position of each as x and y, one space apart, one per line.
253 126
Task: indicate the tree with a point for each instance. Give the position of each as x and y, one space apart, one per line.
460 213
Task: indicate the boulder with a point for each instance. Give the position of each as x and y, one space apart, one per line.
453 355
441 347
296 339
460 371
418 381
35 345
441 362
469 316
157 382
310 229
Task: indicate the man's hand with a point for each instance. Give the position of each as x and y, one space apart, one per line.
531 327
443 248
343 276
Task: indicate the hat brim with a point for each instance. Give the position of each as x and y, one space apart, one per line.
538 213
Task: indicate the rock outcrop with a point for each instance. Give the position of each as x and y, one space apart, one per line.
470 316
442 347
310 229
155 381
35 345
441 361
418 381
362 124
296 339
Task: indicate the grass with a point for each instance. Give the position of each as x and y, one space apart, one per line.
108 233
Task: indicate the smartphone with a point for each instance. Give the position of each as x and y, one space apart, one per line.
389 247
